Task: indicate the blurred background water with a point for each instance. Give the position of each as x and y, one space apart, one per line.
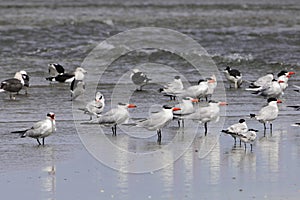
255 37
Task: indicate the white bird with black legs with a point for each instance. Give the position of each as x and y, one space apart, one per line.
78 85
248 137
210 113
12 85
159 120
172 88
261 81
41 129
268 113
95 107
114 117
186 107
233 76
237 129
139 79
57 74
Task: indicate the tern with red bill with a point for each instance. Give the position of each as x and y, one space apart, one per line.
270 90
261 81
158 120
268 113
40 129
284 76
186 108
116 116
210 113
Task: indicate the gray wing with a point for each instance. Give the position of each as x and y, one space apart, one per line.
139 78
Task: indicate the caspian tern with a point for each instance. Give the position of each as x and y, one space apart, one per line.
95 107
158 120
194 91
248 137
139 78
233 76
283 77
186 108
171 88
13 85
237 129
210 113
268 113
272 89
78 86
40 129
261 81
116 116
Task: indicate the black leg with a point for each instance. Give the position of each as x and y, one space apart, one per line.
178 122
234 141
264 132
265 126
251 147
159 136
205 128
245 146
43 141
182 122
37 139
240 143
271 128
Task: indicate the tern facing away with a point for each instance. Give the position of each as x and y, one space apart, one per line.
172 88
139 78
95 107
40 129
268 113
158 120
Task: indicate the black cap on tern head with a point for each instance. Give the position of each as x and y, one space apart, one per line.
167 107
241 121
283 72
271 99
177 77
201 80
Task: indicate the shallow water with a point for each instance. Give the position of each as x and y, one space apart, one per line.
255 38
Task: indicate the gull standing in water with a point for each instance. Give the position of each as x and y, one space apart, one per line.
158 120
40 129
78 85
268 113
233 76
139 78
13 85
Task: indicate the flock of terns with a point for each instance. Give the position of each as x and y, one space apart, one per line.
189 107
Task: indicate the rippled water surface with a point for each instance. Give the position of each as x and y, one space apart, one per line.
256 38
